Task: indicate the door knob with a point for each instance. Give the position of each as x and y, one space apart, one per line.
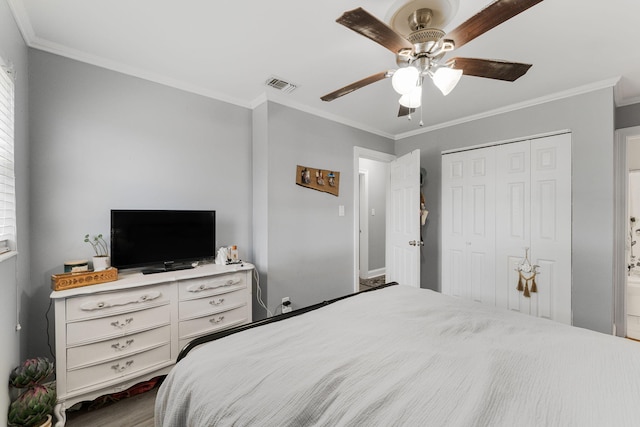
416 243
412 243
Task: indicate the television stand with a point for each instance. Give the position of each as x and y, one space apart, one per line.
168 266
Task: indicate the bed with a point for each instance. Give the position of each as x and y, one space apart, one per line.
401 356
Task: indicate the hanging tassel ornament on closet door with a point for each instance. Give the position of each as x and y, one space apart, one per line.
527 274
520 282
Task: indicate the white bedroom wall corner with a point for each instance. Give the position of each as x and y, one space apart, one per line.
14 271
259 206
311 254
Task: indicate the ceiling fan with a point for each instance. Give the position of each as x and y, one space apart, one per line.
420 53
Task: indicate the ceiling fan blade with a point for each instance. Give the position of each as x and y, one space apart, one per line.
490 68
356 85
491 16
362 22
405 111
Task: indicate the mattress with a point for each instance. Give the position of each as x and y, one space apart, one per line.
403 356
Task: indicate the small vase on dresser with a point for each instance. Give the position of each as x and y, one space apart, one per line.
101 262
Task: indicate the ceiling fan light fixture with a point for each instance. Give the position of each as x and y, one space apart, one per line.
412 99
446 79
405 80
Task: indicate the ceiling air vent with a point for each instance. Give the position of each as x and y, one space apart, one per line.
281 85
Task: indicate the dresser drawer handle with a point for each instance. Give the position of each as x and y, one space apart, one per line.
217 319
119 368
120 301
206 286
119 325
119 347
219 301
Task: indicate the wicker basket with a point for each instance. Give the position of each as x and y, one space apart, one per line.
61 282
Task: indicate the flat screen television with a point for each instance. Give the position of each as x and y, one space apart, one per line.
161 240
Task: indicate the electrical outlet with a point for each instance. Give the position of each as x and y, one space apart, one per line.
286 305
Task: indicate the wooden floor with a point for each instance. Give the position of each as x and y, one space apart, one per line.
133 411
371 283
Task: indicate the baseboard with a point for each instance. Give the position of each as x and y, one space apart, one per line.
375 273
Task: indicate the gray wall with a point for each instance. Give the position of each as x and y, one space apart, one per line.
310 247
260 249
377 192
590 117
102 140
628 116
14 272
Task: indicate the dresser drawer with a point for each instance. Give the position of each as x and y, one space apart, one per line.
107 303
119 368
202 325
91 354
117 326
212 304
206 286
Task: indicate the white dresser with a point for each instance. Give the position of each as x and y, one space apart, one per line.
112 336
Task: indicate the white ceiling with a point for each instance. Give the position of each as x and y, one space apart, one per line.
227 49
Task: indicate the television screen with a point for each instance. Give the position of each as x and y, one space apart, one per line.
161 238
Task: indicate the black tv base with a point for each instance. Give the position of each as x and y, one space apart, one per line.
167 267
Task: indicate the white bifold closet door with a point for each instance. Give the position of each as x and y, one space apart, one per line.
515 196
469 226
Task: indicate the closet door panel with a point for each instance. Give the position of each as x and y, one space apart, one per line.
468 232
513 207
551 224
499 202
510 286
453 224
481 236
456 273
546 288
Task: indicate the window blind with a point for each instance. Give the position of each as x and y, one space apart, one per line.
7 171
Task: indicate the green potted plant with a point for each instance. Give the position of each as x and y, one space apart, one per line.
35 403
101 259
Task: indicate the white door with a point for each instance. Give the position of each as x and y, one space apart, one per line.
468 224
403 221
513 216
551 225
534 209
528 209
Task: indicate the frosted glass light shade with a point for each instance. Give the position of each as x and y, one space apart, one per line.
446 79
412 99
405 80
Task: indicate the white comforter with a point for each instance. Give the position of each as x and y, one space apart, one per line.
402 356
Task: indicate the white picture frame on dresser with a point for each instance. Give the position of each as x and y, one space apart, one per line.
114 335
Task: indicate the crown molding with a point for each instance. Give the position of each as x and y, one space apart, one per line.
24 24
133 71
287 102
603 84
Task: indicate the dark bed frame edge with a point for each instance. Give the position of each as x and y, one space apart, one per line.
221 334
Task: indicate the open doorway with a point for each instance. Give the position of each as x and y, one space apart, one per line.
372 213
627 233
371 177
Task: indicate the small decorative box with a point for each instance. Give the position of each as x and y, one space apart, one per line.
61 282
